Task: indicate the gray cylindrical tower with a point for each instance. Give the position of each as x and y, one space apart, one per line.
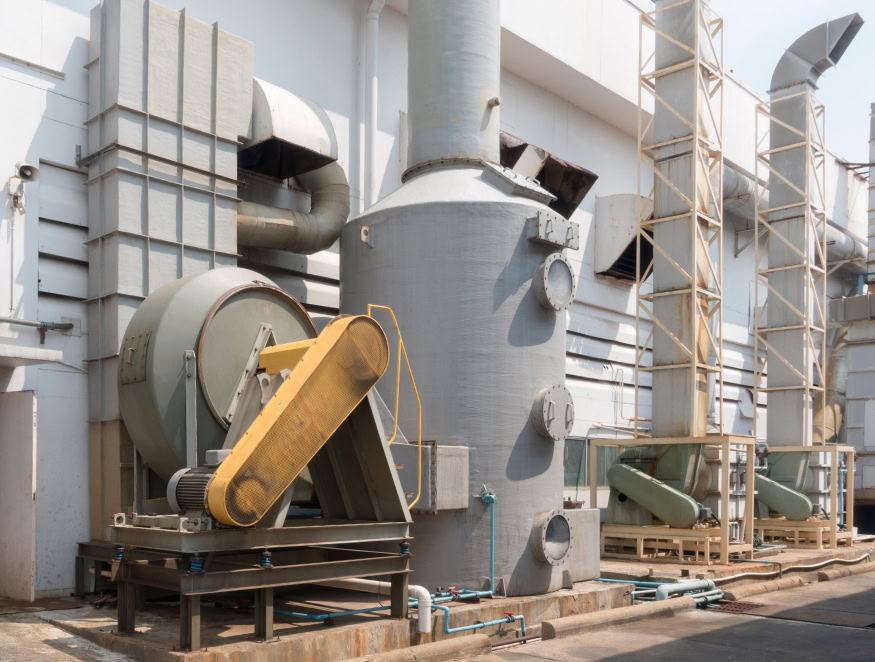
450 252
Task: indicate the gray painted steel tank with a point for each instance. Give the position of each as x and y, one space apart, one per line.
217 314
449 252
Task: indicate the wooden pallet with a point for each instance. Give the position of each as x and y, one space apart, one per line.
665 544
809 534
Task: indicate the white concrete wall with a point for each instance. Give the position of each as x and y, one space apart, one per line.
568 86
42 118
17 483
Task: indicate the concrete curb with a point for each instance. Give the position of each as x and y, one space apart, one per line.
748 590
845 571
437 651
571 625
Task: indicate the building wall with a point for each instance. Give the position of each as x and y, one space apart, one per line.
568 85
43 122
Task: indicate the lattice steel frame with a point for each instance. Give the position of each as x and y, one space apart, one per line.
705 210
812 264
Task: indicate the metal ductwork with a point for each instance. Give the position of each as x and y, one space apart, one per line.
738 198
264 226
789 419
814 52
292 137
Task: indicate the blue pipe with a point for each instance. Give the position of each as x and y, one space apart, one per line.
510 618
487 497
329 615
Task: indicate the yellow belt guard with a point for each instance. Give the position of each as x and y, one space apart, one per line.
332 377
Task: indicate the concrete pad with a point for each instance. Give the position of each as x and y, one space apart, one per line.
748 590
571 625
726 637
849 602
227 633
438 651
703 635
846 571
26 638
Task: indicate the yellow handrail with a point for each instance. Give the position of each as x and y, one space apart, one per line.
403 350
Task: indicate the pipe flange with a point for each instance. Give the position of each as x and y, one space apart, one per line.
554 282
552 537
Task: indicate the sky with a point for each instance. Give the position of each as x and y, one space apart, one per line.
758 31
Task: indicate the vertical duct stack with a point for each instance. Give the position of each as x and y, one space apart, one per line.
687 218
682 147
169 99
792 325
472 261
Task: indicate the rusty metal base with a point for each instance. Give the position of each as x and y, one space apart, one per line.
228 570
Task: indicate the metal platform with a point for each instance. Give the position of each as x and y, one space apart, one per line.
310 532
199 563
247 569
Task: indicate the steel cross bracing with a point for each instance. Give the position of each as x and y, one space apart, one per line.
695 331
806 313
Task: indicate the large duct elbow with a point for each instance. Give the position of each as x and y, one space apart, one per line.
816 51
263 226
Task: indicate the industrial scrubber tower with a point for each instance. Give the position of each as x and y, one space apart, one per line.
473 261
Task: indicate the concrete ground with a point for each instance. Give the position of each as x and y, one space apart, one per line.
25 637
824 621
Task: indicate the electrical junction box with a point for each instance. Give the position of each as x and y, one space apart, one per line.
444 475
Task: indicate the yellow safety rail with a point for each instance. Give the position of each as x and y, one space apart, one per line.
403 351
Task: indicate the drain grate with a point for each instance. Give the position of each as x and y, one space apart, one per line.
736 606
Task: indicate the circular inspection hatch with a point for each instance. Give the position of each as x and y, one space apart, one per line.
554 282
552 537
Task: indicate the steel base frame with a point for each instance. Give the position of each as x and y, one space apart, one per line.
726 445
230 572
809 534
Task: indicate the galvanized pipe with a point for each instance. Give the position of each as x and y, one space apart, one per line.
263 226
738 198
